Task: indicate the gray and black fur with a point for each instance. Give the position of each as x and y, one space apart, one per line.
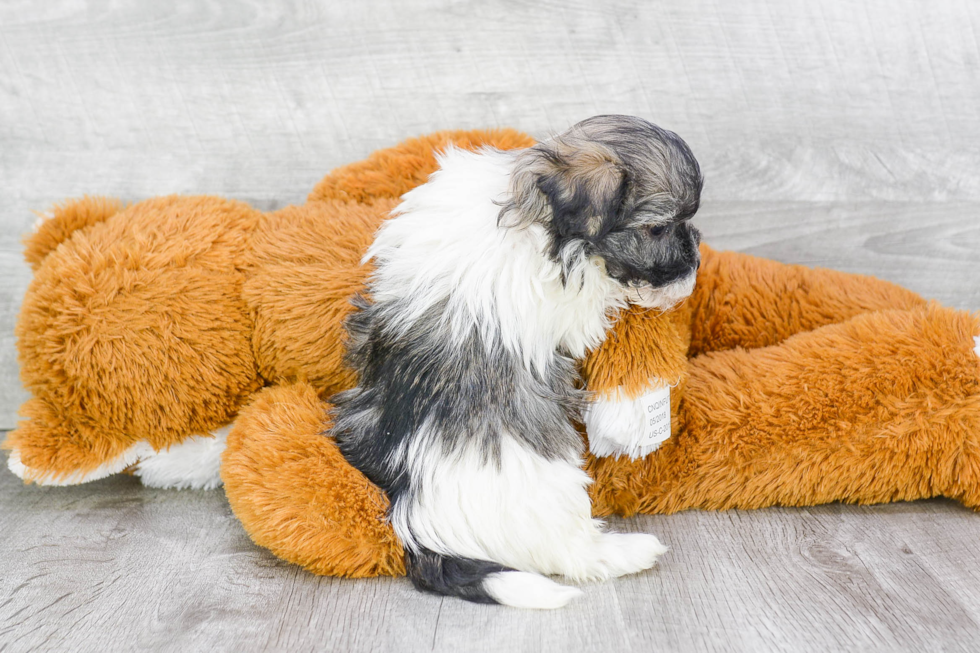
613 187
619 188
474 392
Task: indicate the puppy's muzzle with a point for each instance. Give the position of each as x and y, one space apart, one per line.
665 297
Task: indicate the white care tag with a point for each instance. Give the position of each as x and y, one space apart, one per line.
634 427
656 413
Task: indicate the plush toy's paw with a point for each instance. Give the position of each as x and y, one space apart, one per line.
620 425
29 474
47 448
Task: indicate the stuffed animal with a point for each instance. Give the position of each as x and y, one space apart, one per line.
193 341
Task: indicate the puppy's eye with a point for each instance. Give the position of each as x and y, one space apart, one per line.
657 231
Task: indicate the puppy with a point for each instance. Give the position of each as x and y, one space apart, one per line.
490 280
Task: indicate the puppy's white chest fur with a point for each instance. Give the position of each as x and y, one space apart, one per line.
444 245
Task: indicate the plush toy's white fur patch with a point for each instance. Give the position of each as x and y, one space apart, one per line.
195 463
620 425
129 457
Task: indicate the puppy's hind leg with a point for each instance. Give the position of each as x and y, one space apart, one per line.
556 534
530 513
588 552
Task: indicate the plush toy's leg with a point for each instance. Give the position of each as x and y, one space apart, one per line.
297 496
739 301
49 441
882 407
42 448
746 301
638 372
50 449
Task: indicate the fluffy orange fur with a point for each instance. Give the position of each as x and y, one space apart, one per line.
129 326
65 219
276 459
164 319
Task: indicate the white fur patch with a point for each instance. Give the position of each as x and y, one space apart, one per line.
529 513
523 590
976 340
194 464
444 245
662 298
129 457
619 425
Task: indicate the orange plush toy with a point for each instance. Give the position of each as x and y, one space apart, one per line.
194 341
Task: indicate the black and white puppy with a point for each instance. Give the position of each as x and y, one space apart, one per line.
490 280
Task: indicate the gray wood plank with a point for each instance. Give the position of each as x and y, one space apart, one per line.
932 248
114 566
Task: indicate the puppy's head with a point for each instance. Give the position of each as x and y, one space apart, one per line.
619 189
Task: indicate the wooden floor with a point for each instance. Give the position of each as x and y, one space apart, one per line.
115 567
836 134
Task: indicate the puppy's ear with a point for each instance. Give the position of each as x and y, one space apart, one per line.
574 188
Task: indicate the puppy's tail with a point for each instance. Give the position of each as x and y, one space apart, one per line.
484 582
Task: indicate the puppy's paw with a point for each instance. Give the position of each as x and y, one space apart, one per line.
628 553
